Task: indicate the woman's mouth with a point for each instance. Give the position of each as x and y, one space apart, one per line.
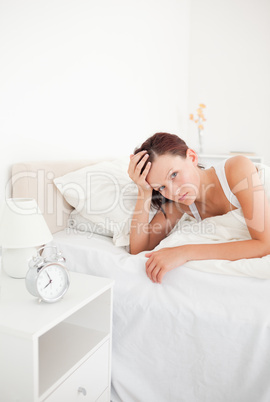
182 197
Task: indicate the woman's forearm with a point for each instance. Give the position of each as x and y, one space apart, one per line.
232 251
139 229
163 260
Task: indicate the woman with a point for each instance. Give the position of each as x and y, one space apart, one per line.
168 176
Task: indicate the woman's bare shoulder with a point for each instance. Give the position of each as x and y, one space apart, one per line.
239 168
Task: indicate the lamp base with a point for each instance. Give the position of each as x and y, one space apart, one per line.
15 261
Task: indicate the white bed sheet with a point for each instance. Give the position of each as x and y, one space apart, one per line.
197 337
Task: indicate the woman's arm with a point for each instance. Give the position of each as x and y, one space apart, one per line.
164 260
144 235
244 182
140 235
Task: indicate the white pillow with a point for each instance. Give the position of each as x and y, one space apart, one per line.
77 221
104 198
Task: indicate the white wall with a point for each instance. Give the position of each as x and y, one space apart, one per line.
84 78
96 77
230 73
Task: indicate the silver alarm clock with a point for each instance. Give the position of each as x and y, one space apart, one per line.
47 277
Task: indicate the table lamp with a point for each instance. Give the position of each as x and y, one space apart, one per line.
22 230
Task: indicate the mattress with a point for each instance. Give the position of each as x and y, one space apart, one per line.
197 337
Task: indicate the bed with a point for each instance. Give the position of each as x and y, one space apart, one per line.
203 335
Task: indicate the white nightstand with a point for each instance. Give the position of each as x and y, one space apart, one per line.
56 352
208 160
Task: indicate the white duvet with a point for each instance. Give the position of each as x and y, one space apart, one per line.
197 337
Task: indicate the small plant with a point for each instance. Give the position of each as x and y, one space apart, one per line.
199 119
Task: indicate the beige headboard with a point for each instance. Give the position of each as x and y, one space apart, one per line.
35 180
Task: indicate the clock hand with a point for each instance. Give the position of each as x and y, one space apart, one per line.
48 283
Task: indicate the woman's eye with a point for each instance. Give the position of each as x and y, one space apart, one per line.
161 188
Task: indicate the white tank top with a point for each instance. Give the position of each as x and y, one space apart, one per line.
221 175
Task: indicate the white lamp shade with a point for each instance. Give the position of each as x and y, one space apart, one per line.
22 224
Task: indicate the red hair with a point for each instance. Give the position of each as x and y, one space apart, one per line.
164 143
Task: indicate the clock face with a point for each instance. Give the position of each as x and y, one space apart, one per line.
52 282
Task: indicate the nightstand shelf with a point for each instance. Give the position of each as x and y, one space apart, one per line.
49 371
60 351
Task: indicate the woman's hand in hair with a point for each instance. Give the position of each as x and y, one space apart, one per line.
136 164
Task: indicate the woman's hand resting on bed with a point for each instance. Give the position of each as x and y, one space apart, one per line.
161 261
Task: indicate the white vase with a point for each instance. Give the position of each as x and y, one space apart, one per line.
200 142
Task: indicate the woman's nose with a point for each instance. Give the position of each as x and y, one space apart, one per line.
174 189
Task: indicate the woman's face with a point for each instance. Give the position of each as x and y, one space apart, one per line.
176 178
